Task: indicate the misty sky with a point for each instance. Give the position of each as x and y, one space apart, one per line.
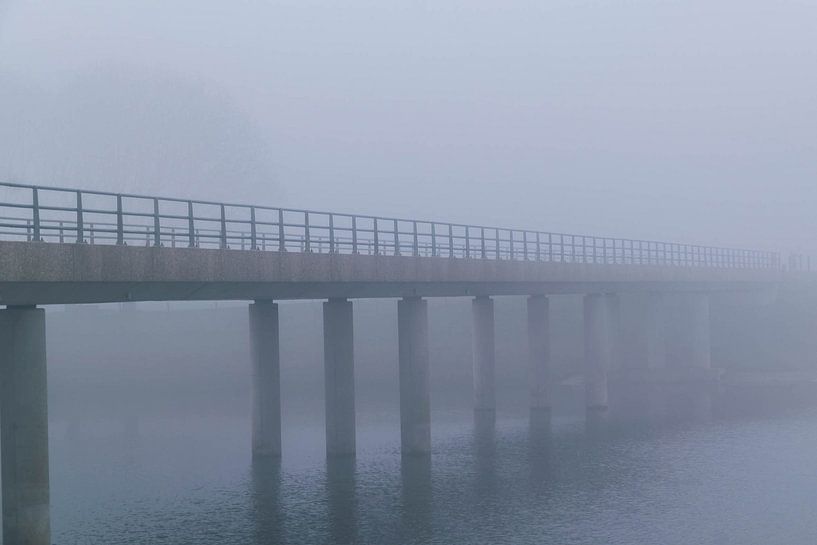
686 120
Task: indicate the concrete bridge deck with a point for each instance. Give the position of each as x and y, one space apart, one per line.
33 273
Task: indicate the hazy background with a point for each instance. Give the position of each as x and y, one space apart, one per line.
687 120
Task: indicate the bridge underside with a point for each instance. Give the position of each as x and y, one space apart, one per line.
41 273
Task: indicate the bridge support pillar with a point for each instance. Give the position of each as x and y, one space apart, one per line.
688 339
415 402
484 356
24 425
339 376
641 331
539 359
598 350
266 379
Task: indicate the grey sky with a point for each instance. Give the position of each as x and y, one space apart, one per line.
686 120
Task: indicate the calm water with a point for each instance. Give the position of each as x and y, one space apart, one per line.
192 481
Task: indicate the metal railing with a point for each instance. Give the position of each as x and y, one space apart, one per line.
64 215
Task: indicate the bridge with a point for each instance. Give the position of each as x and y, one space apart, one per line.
71 246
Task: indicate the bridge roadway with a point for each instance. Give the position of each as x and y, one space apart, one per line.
646 305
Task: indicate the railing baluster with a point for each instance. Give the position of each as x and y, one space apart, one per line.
157 232
35 212
538 249
450 240
223 228
416 242
433 239
396 239
524 245
307 239
354 234
253 230
80 226
376 237
282 241
191 226
331 234
467 242
482 241
498 254
510 245
120 222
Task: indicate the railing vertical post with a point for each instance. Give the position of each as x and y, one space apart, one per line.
157 232
498 254
416 241
282 243
467 242
396 239
354 234
172 237
35 211
482 241
92 233
561 248
510 245
550 247
253 230
331 234
538 249
525 245
80 226
450 240
584 249
191 226
62 234
376 238
433 240
120 222
223 228
307 238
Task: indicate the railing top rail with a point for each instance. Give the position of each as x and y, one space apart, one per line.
490 236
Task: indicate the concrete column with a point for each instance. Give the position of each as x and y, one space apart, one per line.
415 403
24 425
539 355
688 335
266 379
598 349
641 332
484 355
339 376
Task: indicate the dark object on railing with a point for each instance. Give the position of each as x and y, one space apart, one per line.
123 219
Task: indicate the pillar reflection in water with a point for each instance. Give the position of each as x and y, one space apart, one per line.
266 499
415 473
540 450
485 452
340 485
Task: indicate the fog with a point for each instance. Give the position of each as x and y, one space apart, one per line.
616 118
687 121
